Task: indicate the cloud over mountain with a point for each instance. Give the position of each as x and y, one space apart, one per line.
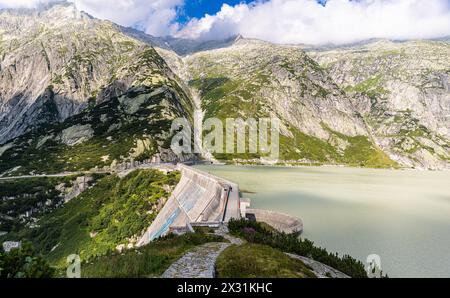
339 21
156 17
280 21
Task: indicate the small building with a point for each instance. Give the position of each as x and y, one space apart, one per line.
10 245
244 205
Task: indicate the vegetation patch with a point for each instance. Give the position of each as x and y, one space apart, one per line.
372 87
24 199
259 261
23 262
253 232
115 211
148 261
303 146
223 97
362 152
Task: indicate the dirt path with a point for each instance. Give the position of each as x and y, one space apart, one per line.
200 261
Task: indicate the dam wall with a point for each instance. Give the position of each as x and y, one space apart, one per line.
199 198
280 221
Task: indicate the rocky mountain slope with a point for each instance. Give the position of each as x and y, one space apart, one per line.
91 93
376 103
252 78
407 87
75 92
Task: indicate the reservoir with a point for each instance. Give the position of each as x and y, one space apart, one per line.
401 215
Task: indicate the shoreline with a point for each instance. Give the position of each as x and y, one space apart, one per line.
206 163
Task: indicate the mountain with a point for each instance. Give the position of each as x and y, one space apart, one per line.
180 46
375 103
408 86
252 78
72 84
77 92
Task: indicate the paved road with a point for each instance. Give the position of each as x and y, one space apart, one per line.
233 205
41 176
66 174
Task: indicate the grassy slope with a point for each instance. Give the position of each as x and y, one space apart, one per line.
115 209
150 260
256 233
259 261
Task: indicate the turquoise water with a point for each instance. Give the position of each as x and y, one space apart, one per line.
403 216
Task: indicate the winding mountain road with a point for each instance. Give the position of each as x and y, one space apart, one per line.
66 174
42 176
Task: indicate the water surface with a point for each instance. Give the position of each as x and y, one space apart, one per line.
401 215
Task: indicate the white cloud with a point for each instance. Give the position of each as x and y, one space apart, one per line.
340 21
156 17
281 21
21 3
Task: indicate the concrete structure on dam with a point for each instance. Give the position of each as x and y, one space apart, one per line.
280 221
199 199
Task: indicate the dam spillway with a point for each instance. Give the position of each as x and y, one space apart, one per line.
198 199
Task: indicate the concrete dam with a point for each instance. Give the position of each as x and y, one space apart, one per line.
199 199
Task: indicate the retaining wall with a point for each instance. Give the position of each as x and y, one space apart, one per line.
280 221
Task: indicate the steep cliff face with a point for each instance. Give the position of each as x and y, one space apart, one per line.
57 61
257 79
407 86
76 93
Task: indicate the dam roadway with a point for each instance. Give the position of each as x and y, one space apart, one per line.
232 208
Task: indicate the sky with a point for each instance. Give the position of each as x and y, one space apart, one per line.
281 21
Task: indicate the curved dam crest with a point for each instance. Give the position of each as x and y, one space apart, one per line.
198 199
202 199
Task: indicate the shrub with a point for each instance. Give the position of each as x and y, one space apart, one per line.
254 232
150 260
24 263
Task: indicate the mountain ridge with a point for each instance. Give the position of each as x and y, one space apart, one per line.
86 62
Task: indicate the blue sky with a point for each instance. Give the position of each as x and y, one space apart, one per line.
198 8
